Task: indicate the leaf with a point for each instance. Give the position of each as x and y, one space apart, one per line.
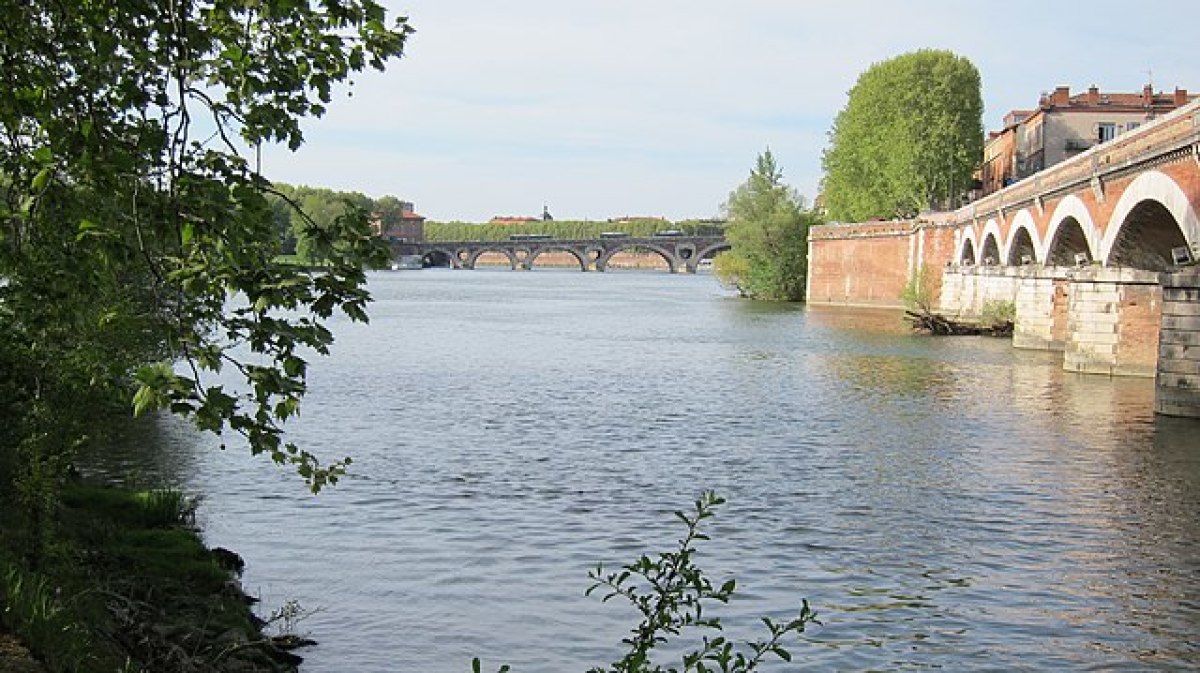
42 178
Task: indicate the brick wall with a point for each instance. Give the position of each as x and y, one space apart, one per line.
860 264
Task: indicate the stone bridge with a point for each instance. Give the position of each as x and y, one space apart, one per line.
1097 254
681 253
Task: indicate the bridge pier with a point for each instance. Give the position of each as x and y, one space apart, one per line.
1041 303
966 289
1177 380
1112 322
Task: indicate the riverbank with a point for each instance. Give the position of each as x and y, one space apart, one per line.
123 582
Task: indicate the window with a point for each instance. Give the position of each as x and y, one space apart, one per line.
1129 126
1106 131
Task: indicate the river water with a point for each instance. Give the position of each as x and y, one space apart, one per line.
942 502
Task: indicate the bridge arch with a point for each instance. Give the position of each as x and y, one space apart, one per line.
990 249
667 255
966 248
472 256
1071 232
1152 216
711 251
439 257
1022 243
537 252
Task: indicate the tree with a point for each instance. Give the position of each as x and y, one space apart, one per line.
909 138
768 233
137 246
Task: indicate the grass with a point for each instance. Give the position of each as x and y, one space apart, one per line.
127 585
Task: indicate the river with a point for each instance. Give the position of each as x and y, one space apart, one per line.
941 502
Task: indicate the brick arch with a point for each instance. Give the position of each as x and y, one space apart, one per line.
1153 187
963 252
1071 208
473 256
661 251
991 232
1022 221
537 252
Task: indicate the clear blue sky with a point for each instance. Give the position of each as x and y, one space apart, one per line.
658 107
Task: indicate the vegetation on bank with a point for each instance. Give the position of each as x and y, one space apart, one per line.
768 232
127 585
139 256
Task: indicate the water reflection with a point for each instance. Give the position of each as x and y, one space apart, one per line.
946 503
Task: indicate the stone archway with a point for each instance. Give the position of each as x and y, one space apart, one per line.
534 254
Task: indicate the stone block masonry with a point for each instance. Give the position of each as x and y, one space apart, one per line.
1113 322
1177 381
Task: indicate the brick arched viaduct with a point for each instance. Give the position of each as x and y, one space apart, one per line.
1133 221
1096 253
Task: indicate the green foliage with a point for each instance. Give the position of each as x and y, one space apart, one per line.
998 313
127 588
768 231
136 231
29 605
298 209
921 289
909 138
671 593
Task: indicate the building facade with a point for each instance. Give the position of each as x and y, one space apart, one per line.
1065 125
404 226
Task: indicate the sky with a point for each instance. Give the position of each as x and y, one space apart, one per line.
599 110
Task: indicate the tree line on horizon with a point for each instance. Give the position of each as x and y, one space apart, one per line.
908 139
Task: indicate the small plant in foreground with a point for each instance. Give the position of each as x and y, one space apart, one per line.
671 592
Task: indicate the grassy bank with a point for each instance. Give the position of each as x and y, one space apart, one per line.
122 582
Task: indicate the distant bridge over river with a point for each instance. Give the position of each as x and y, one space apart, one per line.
682 253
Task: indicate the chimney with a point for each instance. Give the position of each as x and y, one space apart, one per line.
1093 95
1148 95
1062 96
1181 97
